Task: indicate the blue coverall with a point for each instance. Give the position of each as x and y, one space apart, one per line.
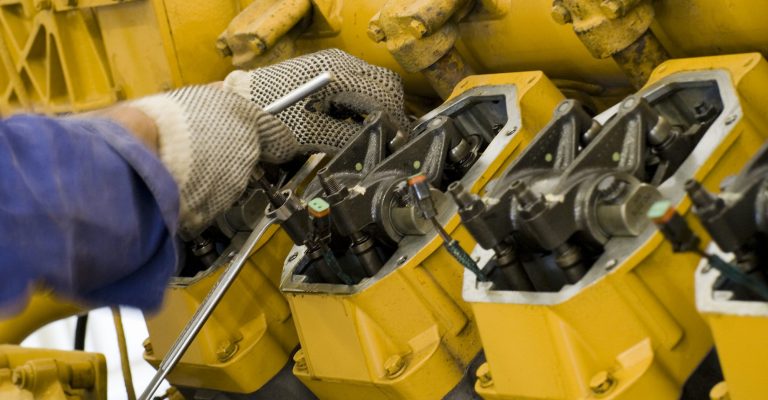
85 209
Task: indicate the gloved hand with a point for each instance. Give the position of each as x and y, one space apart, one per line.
210 139
321 121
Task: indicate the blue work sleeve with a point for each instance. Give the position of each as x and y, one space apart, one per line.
86 210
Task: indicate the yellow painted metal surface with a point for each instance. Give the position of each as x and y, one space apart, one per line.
59 56
409 335
249 336
43 307
51 374
634 333
56 57
740 342
521 35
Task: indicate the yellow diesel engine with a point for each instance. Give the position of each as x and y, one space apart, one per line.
577 211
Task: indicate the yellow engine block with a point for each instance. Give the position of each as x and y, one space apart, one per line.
406 332
630 328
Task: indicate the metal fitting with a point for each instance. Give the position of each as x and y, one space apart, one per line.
720 392
560 14
226 351
223 47
417 28
394 366
707 204
23 377
376 33
148 350
299 361
602 383
257 46
81 375
483 375
529 203
612 8
610 189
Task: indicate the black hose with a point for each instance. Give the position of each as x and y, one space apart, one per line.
82 323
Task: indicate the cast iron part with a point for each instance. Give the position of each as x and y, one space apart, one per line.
577 185
371 209
737 219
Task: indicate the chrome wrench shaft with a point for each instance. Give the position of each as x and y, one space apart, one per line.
228 277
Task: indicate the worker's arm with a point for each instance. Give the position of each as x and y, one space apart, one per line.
85 208
90 205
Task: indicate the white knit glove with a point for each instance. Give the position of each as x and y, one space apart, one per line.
210 139
321 122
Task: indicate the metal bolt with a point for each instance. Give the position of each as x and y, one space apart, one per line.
610 188
23 377
418 28
560 14
148 350
483 375
225 352
720 392
731 119
299 361
293 257
394 366
376 33
611 264
602 382
257 46
82 375
612 8
401 260
223 48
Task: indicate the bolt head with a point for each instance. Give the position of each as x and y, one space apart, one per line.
223 48
257 46
417 28
612 9
483 375
376 33
602 382
561 15
148 347
299 361
394 366
225 352
719 392
23 377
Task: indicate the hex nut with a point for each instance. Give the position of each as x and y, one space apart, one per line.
602 383
483 375
560 14
226 351
376 33
148 350
394 366
299 361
